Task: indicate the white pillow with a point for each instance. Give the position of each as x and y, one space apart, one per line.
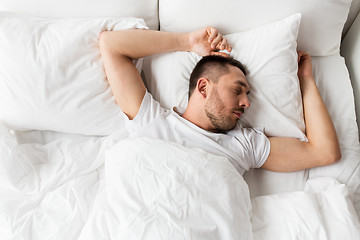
52 76
269 54
146 9
320 31
334 84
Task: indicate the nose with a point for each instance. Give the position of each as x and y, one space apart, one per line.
244 101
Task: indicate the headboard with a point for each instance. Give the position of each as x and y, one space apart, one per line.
146 9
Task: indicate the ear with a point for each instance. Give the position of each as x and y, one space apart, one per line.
202 86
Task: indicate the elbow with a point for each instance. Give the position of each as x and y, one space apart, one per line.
337 156
111 44
327 153
333 156
104 41
336 152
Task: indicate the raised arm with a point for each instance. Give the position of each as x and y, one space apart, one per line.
289 154
120 48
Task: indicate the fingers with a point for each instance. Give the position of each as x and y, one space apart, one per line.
224 45
302 55
220 54
212 33
217 41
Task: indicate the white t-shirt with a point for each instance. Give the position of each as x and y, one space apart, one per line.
245 148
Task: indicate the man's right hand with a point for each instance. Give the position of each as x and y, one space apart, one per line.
208 41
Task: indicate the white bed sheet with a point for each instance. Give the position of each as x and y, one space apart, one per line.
322 211
50 181
62 190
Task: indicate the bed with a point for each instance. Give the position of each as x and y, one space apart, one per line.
69 170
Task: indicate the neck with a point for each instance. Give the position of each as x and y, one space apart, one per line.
195 114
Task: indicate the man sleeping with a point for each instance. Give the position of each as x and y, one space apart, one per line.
218 92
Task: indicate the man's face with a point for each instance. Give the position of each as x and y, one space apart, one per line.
227 100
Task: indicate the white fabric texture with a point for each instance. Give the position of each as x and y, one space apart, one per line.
332 79
52 76
335 88
48 183
329 72
351 51
146 9
244 148
160 190
322 211
54 185
275 96
319 34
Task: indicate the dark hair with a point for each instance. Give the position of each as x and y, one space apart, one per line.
212 67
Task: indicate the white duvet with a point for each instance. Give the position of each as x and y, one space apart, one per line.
117 188
161 190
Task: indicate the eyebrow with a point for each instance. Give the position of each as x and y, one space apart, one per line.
241 83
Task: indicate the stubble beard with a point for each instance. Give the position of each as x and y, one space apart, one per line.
214 109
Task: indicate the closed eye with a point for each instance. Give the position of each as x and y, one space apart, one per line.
240 86
238 91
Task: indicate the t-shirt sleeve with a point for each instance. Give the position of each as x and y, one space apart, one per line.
257 147
149 110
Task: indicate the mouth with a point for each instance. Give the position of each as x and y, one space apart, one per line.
238 114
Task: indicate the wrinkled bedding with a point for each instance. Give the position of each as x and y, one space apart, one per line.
47 188
324 210
120 188
60 185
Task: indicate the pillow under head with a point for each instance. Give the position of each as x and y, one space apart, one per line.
269 54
